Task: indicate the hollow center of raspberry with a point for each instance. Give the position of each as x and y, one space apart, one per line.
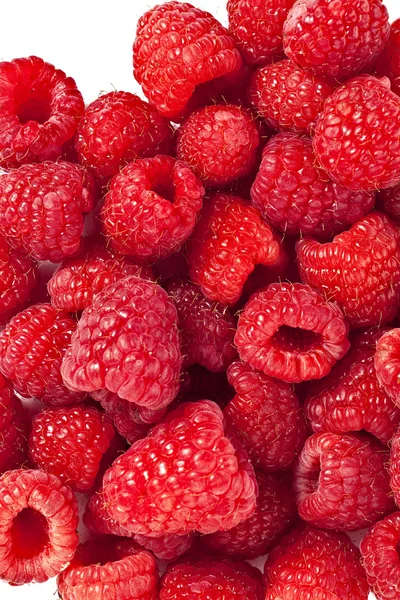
29 533
35 106
165 189
295 339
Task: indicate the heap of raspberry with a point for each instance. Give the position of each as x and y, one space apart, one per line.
13 428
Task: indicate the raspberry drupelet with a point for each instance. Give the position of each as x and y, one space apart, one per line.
359 269
266 417
152 207
387 363
311 563
388 63
38 522
229 240
13 429
40 110
341 481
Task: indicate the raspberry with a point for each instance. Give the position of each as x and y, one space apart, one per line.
310 563
341 481
257 28
32 347
351 398
219 142
275 513
40 110
266 417
116 129
388 201
387 363
70 443
13 428
380 557
295 196
291 332
185 476
128 343
207 328
178 52
151 208
388 64
224 580
227 243
168 547
18 278
110 568
288 97
364 109
38 521
336 39
359 269
77 280
42 206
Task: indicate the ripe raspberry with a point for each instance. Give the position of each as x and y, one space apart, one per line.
168 547
42 206
201 482
387 363
219 142
116 129
288 97
291 332
336 39
295 196
351 398
275 513
310 563
341 481
13 429
223 580
152 207
32 347
40 110
128 343
227 243
18 278
388 64
110 568
178 51
207 328
380 557
257 28
359 269
364 109
38 521
388 201
266 417
77 280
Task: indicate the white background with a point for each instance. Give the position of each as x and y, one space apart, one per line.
91 40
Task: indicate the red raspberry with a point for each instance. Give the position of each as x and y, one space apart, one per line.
18 278
116 129
38 521
341 481
77 280
310 563
13 428
70 443
336 39
168 547
387 363
257 28
207 328
359 269
229 240
380 557
266 417
178 49
32 347
185 476
388 201
388 64
152 207
295 196
364 109
128 343
351 398
288 97
291 332
275 513
42 206
395 466
224 580
219 142
40 110
110 568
